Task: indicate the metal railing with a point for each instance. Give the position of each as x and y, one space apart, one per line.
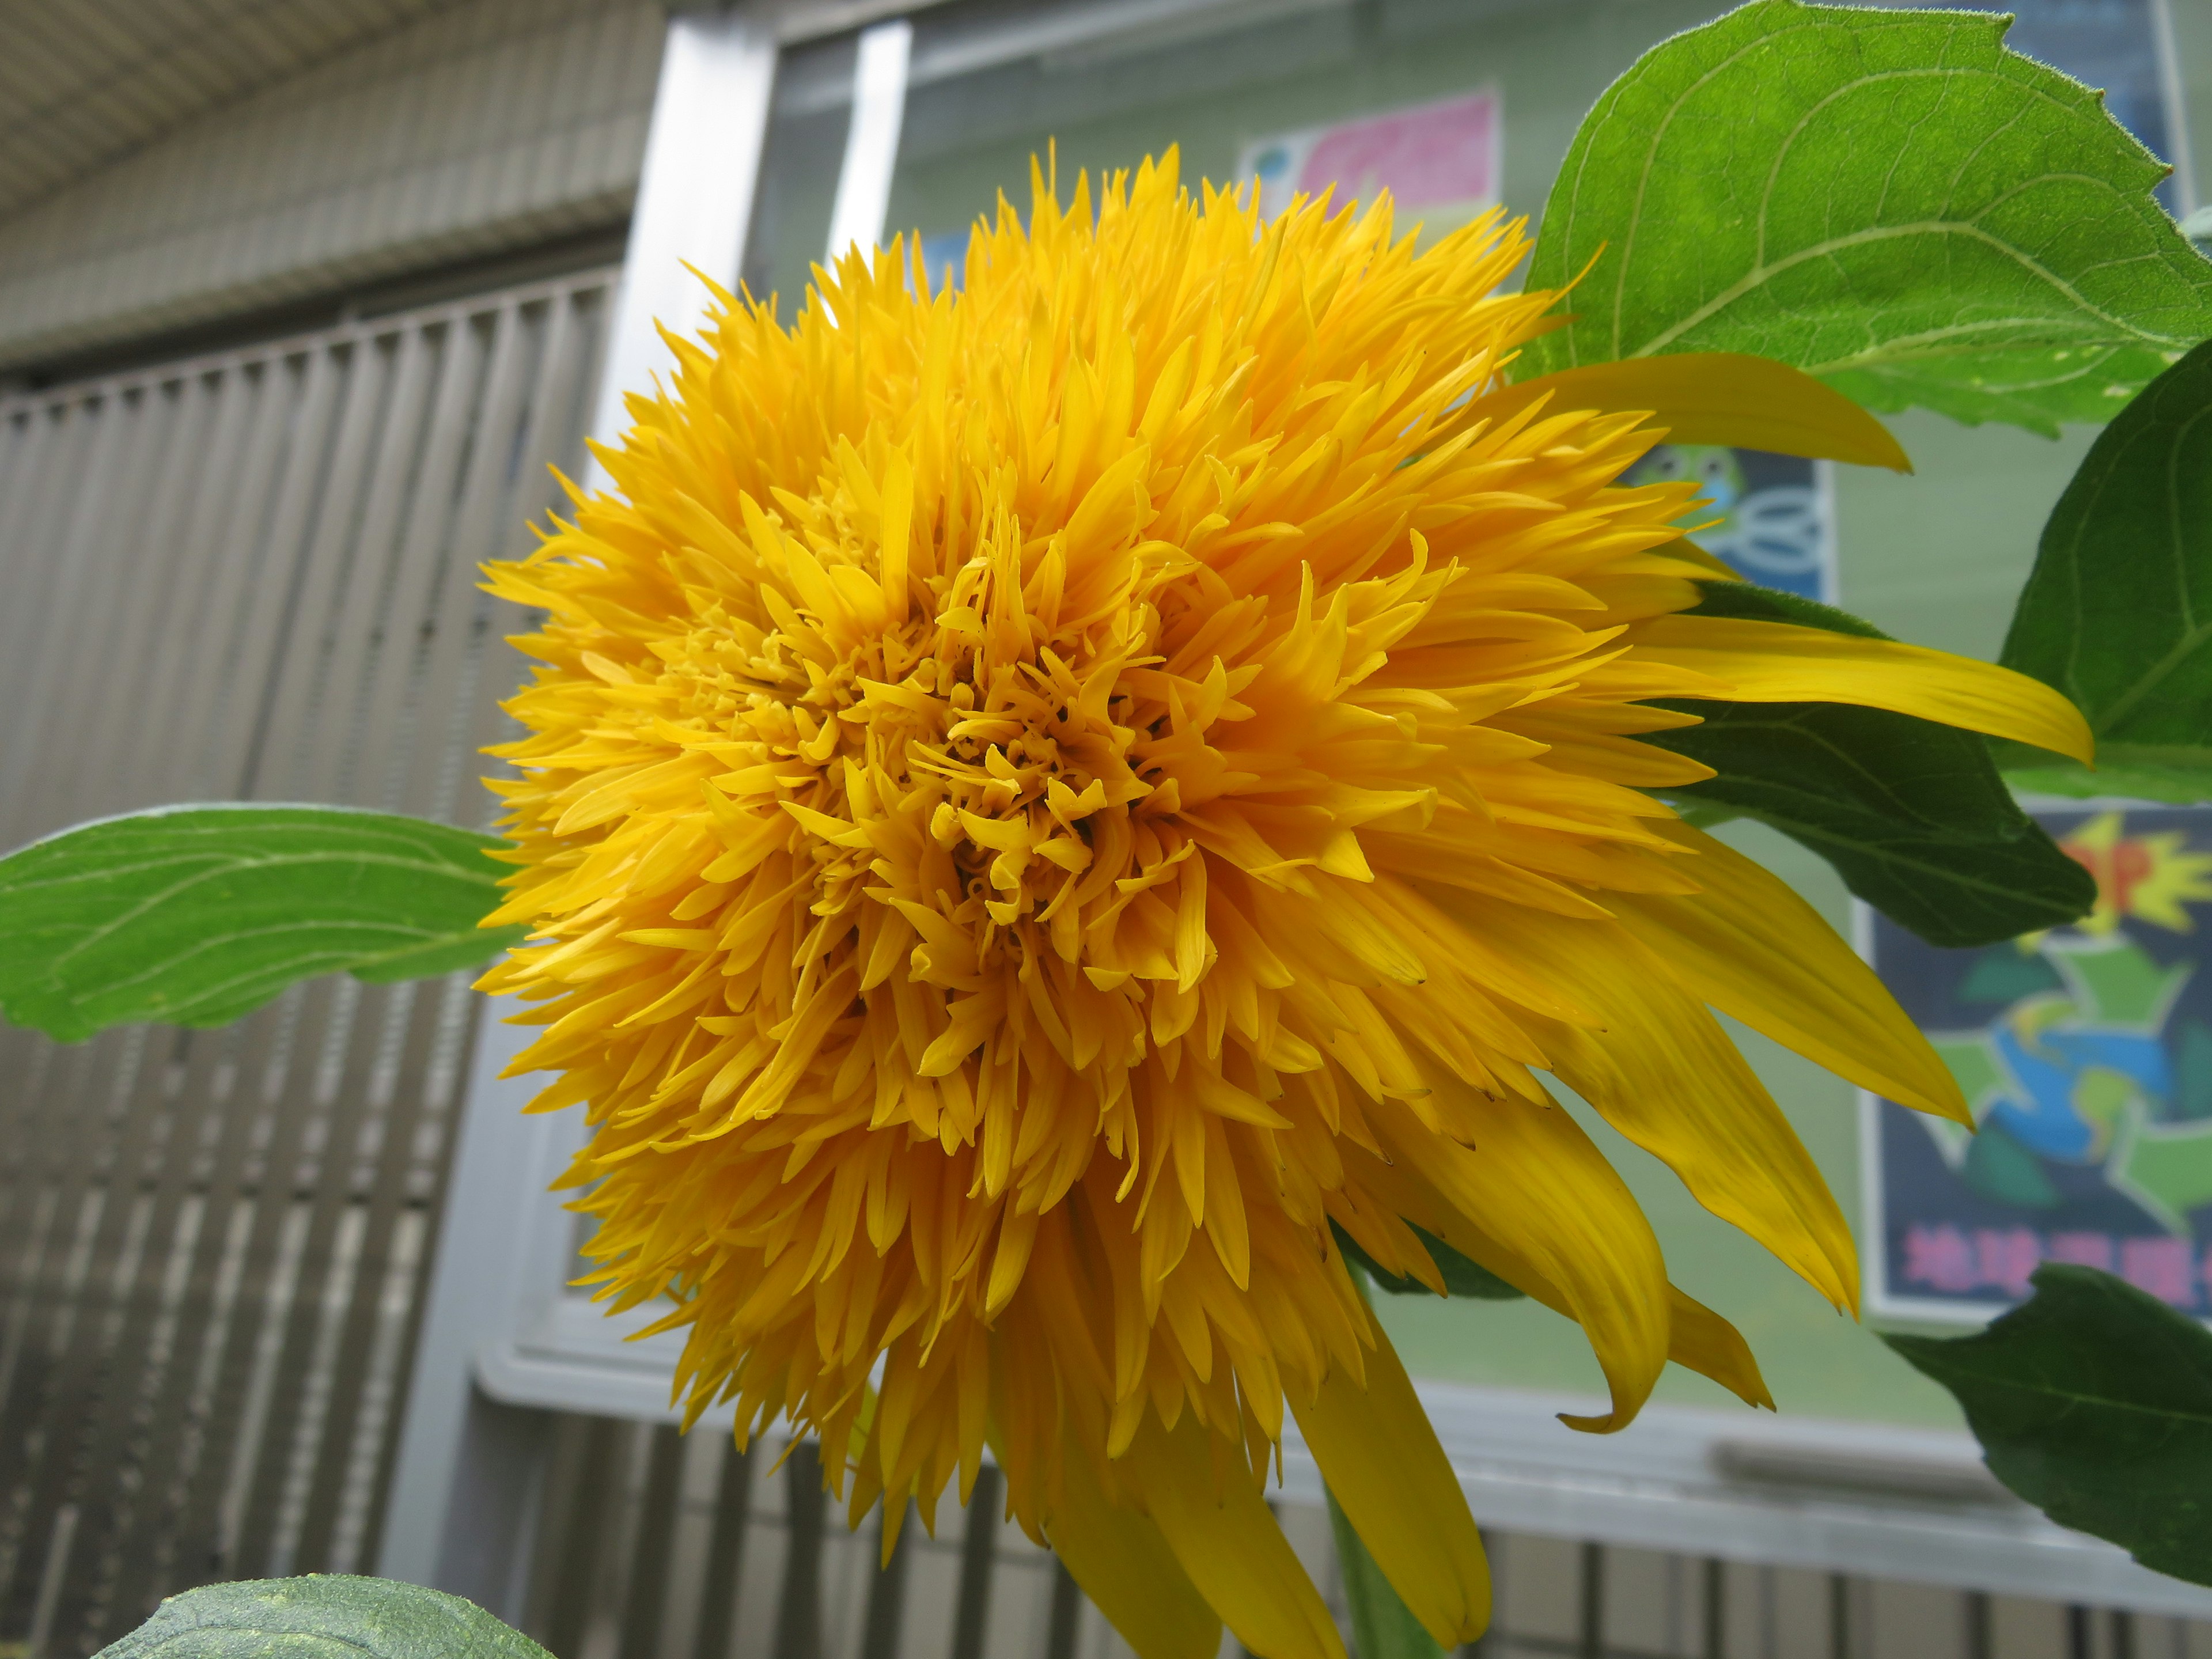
660 1546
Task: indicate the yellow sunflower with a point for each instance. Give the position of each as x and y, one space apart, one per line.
1041 798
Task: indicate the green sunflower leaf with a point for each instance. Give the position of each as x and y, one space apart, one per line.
2092 1401
324 1616
1383 1626
2117 613
1912 814
1461 1277
196 915
1889 199
1749 602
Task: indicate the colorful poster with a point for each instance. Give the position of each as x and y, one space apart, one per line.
1441 162
1770 518
2085 1054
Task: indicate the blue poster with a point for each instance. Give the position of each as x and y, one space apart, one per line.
2085 1054
945 257
1767 517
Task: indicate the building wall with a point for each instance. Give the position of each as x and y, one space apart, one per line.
495 124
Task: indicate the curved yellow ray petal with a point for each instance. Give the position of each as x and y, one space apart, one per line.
1543 1190
1214 1519
1750 946
1683 550
1380 1455
1720 397
1779 662
1126 1567
1660 1069
1712 1348
1697 1337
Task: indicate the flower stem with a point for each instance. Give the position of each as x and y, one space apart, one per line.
1383 1627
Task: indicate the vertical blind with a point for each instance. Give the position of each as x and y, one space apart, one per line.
248 576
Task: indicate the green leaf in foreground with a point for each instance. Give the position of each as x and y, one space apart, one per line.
1889 199
2092 1401
1383 1626
326 1616
196 915
1461 1277
2118 612
1912 814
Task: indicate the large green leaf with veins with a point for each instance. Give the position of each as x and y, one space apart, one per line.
2092 1401
196 915
2118 612
1888 199
324 1616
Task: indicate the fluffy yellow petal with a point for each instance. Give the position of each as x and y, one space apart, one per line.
989 807
1219 1527
1697 1337
1777 662
1659 1070
1722 397
1126 1567
1710 1346
1752 947
1381 1460
1538 1187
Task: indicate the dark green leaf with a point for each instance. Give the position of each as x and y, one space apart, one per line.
1889 199
196 915
2118 612
2092 1401
1383 1626
1461 1277
1748 602
1913 815
322 1617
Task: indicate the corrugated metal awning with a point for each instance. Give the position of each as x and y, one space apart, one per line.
85 83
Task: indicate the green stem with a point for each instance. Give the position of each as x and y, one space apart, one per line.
1382 1626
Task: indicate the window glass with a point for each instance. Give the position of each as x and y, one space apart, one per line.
798 184
1446 101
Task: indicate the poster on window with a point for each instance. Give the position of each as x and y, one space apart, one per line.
2085 1052
1770 518
1441 162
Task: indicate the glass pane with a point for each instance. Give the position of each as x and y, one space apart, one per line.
1349 91
798 180
1451 103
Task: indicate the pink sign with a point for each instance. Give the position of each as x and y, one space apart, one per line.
1439 161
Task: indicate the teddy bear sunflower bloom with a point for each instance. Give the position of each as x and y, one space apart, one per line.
1047 806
